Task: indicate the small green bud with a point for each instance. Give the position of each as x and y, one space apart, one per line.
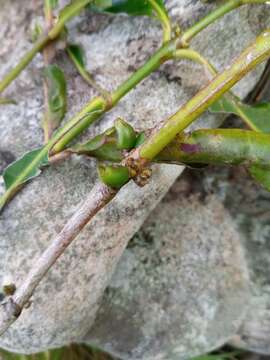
140 139
102 147
126 135
113 176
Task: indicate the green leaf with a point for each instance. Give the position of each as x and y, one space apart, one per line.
57 97
25 168
261 175
130 7
257 117
102 147
77 54
126 135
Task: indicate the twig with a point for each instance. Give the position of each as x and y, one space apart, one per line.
49 53
70 11
11 308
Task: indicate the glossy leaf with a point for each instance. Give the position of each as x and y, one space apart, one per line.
257 117
102 147
126 135
77 54
140 139
109 145
25 168
57 97
219 147
130 7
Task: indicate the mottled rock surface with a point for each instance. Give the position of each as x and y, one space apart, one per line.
181 287
65 305
248 204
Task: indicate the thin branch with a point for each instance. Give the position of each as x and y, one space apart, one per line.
67 13
11 308
49 53
255 54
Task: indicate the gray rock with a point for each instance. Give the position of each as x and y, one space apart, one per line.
181 287
248 204
65 304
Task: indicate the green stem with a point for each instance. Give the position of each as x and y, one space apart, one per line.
251 57
68 13
167 52
39 45
218 147
195 56
212 17
65 15
89 114
86 75
99 106
164 19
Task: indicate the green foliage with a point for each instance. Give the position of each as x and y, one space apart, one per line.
126 135
130 7
76 53
257 117
102 147
114 176
261 175
57 96
25 168
108 146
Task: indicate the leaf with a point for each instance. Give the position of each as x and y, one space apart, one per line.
22 170
256 117
130 7
76 52
261 175
25 168
102 147
57 97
